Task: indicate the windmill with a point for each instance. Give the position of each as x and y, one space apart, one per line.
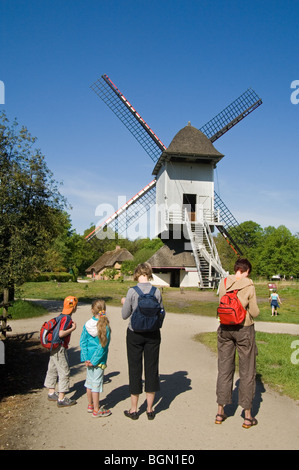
182 191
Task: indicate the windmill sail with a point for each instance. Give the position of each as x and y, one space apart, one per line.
231 115
127 214
229 226
121 107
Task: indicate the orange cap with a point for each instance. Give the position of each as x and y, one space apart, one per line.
68 305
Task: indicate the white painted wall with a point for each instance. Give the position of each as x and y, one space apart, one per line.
161 279
176 179
187 279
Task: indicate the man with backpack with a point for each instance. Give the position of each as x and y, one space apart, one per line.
237 334
58 367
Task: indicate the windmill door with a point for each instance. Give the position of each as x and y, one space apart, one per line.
175 278
189 201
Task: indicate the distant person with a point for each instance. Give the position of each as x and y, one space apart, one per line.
240 338
142 345
58 367
94 344
275 301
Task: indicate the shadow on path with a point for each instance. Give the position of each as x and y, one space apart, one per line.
172 385
231 409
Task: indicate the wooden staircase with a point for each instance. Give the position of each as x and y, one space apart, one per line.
205 254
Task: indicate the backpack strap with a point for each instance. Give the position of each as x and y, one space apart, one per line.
55 336
153 290
67 321
138 290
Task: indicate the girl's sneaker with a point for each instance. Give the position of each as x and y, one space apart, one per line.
90 409
66 402
101 413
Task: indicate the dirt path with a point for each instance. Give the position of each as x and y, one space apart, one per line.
185 406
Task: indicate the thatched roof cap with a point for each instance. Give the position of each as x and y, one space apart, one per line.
167 257
108 259
189 144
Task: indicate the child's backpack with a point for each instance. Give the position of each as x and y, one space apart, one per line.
148 316
230 310
49 333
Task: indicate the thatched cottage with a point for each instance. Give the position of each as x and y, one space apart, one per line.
173 266
109 260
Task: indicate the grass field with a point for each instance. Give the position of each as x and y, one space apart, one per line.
192 301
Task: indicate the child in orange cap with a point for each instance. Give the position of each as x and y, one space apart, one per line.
58 367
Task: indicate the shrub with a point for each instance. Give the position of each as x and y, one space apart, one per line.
42 277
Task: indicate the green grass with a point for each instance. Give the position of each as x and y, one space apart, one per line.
193 307
289 295
113 291
287 313
276 361
25 309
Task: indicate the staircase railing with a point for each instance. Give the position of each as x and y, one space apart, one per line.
205 252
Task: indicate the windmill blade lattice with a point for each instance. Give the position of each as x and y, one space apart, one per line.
129 213
231 115
213 129
230 228
121 107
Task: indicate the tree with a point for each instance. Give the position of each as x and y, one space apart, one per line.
30 204
248 237
270 250
279 253
227 256
142 249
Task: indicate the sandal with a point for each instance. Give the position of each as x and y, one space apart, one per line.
253 422
150 415
134 415
219 421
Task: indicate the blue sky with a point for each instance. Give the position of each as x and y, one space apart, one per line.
175 61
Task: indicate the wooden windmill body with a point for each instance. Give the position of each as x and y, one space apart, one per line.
185 215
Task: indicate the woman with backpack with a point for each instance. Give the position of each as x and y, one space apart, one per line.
143 344
240 337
